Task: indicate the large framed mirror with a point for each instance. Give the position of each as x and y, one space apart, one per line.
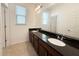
63 19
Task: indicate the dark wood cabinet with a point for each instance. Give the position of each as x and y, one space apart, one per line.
31 37
36 43
42 51
42 48
49 50
53 52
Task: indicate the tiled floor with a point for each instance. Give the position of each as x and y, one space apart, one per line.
21 49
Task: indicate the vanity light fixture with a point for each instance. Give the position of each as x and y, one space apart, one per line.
38 8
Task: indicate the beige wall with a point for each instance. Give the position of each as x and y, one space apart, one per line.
19 33
68 18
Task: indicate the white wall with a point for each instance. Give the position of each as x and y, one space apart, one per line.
19 33
68 18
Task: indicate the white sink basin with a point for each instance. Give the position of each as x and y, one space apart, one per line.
34 31
56 42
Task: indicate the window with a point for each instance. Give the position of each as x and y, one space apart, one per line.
45 17
20 15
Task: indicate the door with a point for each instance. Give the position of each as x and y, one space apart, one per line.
3 11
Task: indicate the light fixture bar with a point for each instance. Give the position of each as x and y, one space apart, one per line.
38 7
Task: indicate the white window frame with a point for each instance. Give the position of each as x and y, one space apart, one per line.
21 15
44 19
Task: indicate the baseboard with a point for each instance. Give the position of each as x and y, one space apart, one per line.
17 43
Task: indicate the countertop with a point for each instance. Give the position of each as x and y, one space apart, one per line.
67 50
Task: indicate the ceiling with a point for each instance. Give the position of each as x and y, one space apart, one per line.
45 5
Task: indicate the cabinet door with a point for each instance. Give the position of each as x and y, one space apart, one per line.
49 54
36 43
52 52
30 36
42 51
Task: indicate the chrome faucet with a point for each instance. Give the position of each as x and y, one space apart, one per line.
62 37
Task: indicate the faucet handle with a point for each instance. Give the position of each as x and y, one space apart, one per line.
58 37
62 38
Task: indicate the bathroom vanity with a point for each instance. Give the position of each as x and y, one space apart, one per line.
39 40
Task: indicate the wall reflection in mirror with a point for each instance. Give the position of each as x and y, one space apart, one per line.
62 18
